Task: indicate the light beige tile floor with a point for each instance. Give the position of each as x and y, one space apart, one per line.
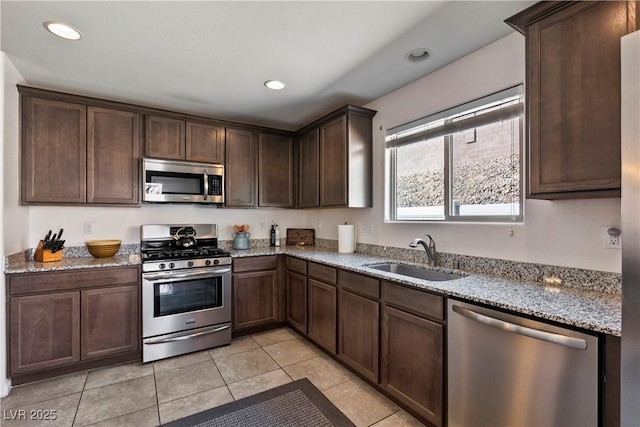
142 395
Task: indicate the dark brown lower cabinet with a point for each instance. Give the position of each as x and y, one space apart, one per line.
297 301
254 299
411 360
44 331
322 307
256 292
109 321
358 343
67 321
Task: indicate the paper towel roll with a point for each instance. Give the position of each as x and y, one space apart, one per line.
346 239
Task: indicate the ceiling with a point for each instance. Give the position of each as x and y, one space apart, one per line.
211 58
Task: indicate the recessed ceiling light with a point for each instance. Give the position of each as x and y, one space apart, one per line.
417 55
274 84
63 30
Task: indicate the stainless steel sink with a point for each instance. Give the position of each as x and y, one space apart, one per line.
415 272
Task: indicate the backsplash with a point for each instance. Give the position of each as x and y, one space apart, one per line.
600 281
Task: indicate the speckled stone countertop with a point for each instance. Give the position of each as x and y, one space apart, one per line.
72 263
595 311
587 309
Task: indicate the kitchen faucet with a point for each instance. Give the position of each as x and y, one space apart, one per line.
430 248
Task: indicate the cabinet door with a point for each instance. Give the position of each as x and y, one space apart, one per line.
297 301
275 171
333 163
44 331
240 168
54 151
573 91
204 143
309 170
412 367
110 321
358 335
164 138
113 156
255 297
323 301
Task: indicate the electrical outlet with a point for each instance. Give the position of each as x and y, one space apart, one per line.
613 237
367 227
263 225
88 227
318 225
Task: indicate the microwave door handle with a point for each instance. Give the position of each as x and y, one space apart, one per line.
206 184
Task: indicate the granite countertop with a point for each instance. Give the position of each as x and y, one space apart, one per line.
595 311
71 263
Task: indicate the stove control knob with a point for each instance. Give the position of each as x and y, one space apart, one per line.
172 265
216 261
162 266
190 264
207 262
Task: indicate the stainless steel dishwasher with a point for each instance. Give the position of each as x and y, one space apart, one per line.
505 370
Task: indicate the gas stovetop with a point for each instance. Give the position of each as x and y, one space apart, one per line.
161 251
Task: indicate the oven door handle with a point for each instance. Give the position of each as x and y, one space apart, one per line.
188 336
172 277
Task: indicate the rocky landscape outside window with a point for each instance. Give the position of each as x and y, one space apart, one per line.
462 164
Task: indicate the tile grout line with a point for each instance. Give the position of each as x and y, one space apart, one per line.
84 386
155 386
224 380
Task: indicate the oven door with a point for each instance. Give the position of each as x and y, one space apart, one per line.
175 301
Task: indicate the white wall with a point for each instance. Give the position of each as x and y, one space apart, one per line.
14 219
567 233
124 223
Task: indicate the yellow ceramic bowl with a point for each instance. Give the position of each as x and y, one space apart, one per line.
103 248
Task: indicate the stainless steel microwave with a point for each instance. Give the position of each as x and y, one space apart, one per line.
174 181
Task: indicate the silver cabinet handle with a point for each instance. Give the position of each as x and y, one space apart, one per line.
188 336
564 340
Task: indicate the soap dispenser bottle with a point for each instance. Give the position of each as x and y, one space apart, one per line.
272 235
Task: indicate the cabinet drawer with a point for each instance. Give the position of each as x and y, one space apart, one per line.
297 265
20 284
419 302
255 263
360 284
324 273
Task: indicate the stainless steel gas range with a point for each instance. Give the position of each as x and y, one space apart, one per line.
186 290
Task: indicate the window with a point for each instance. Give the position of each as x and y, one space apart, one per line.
462 164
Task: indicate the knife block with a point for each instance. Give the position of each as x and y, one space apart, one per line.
45 255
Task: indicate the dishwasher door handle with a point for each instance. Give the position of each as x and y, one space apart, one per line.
564 340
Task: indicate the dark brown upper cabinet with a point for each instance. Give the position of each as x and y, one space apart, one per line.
573 96
309 169
240 168
54 149
339 148
177 139
113 156
73 153
275 170
204 143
